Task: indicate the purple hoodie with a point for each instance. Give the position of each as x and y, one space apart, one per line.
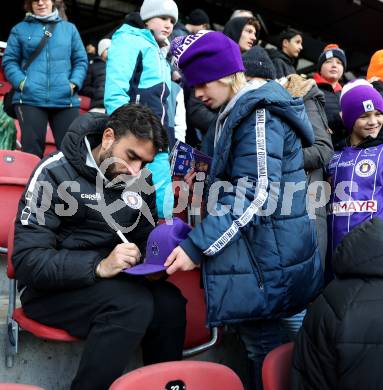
356 177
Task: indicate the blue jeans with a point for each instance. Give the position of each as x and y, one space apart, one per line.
259 338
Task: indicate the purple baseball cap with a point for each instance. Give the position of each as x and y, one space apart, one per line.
161 242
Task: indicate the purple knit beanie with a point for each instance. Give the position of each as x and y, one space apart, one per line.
206 56
358 97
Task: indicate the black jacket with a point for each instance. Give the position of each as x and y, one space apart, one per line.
284 65
378 85
179 30
340 345
332 108
94 84
60 247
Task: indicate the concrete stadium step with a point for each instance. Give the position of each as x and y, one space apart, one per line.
3 309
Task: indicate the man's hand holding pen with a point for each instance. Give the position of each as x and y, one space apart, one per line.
123 256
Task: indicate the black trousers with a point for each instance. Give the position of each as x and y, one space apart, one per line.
33 123
115 316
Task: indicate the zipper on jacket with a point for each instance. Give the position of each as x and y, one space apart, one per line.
255 264
22 91
49 70
160 57
162 104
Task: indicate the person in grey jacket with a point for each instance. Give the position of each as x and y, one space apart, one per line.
317 156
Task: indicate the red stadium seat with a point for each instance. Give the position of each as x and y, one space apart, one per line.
50 144
198 336
4 87
276 368
15 170
16 318
189 375
84 104
3 45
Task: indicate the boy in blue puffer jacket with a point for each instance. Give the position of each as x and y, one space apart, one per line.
259 258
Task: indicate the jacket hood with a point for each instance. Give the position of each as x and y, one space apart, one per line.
234 27
92 126
361 251
315 93
299 86
276 99
134 25
53 18
134 19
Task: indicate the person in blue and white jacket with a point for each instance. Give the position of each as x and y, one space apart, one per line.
256 245
47 90
138 72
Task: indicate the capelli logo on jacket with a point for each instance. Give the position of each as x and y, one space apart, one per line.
95 196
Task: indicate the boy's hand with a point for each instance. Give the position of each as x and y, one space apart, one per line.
178 260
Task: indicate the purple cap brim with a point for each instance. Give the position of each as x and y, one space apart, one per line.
144 269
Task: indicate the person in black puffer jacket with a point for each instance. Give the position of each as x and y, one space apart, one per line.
340 345
94 84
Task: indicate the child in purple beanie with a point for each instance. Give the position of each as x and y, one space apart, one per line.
356 170
259 263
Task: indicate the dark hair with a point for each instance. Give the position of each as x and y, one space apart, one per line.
28 5
288 33
140 121
255 23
